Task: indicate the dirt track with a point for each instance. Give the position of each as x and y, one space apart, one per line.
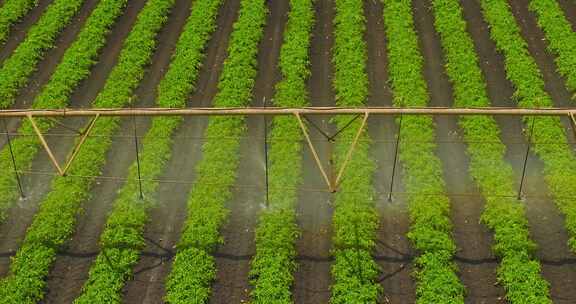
475 260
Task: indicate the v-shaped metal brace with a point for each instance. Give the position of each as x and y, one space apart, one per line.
332 183
85 133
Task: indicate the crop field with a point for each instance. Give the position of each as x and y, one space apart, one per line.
233 209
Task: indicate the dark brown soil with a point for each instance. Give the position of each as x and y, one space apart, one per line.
393 251
168 217
472 238
546 224
314 208
69 272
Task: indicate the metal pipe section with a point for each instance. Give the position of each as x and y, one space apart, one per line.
286 111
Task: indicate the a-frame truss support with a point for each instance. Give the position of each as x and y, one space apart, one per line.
332 183
62 170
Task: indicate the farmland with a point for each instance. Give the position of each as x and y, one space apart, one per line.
213 209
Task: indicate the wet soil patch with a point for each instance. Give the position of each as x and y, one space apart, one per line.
393 252
248 197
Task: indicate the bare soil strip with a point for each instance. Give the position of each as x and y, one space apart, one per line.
233 257
314 207
166 220
393 252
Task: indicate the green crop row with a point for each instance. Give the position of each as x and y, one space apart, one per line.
355 219
549 138
41 37
519 272
10 12
561 38
273 266
54 223
429 207
194 268
122 239
74 67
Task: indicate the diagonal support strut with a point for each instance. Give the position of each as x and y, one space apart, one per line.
85 134
315 153
351 150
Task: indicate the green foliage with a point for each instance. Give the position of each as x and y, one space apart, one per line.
561 38
41 37
519 272
429 207
74 67
355 219
122 238
194 268
273 266
54 223
549 138
10 12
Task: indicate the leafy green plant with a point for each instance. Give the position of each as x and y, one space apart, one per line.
561 38
519 271
549 138
355 219
194 267
273 266
54 223
10 12
122 239
41 37
429 207
74 67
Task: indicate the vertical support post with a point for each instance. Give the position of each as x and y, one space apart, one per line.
266 177
9 141
526 160
80 143
395 159
137 156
